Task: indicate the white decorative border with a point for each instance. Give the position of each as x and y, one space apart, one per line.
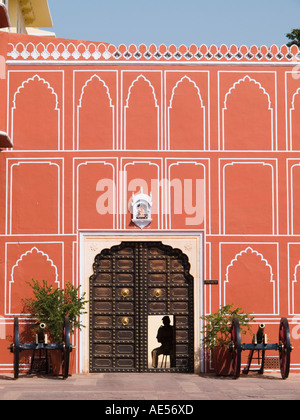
225 109
205 164
223 163
290 165
49 87
10 164
77 105
171 106
9 275
82 161
222 105
125 94
91 52
274 279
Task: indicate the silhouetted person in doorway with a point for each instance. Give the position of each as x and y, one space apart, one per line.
165 337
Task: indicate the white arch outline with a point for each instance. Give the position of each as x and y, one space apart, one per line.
293 282
262 259
242 80
202 106
126 107
23 85
24 255
95 76
291 118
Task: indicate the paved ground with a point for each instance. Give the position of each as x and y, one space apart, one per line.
112 387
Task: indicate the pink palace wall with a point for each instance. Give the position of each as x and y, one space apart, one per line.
91 118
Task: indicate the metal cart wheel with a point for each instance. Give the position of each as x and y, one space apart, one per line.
67 348
236 347
284 348
16 348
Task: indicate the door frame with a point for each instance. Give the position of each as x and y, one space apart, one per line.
190 243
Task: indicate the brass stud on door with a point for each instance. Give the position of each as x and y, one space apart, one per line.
125 292
125 320
157 293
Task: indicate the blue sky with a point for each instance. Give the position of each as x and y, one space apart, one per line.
259 22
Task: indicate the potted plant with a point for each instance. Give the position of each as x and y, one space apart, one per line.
50 306
217 335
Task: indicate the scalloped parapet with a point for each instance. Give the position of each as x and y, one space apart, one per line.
58 50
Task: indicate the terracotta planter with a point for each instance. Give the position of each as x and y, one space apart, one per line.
72 363
222 361
56 362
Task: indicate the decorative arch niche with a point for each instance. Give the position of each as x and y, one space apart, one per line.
33 264
186 117
247 117
141 113
295 122
36 116
250 274
295 290
96 114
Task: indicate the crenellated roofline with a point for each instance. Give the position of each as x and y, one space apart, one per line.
38 49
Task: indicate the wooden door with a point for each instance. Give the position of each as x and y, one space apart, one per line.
131 283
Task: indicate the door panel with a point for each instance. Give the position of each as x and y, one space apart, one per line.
132 282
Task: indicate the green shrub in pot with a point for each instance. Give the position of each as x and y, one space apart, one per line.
50 305
217 335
